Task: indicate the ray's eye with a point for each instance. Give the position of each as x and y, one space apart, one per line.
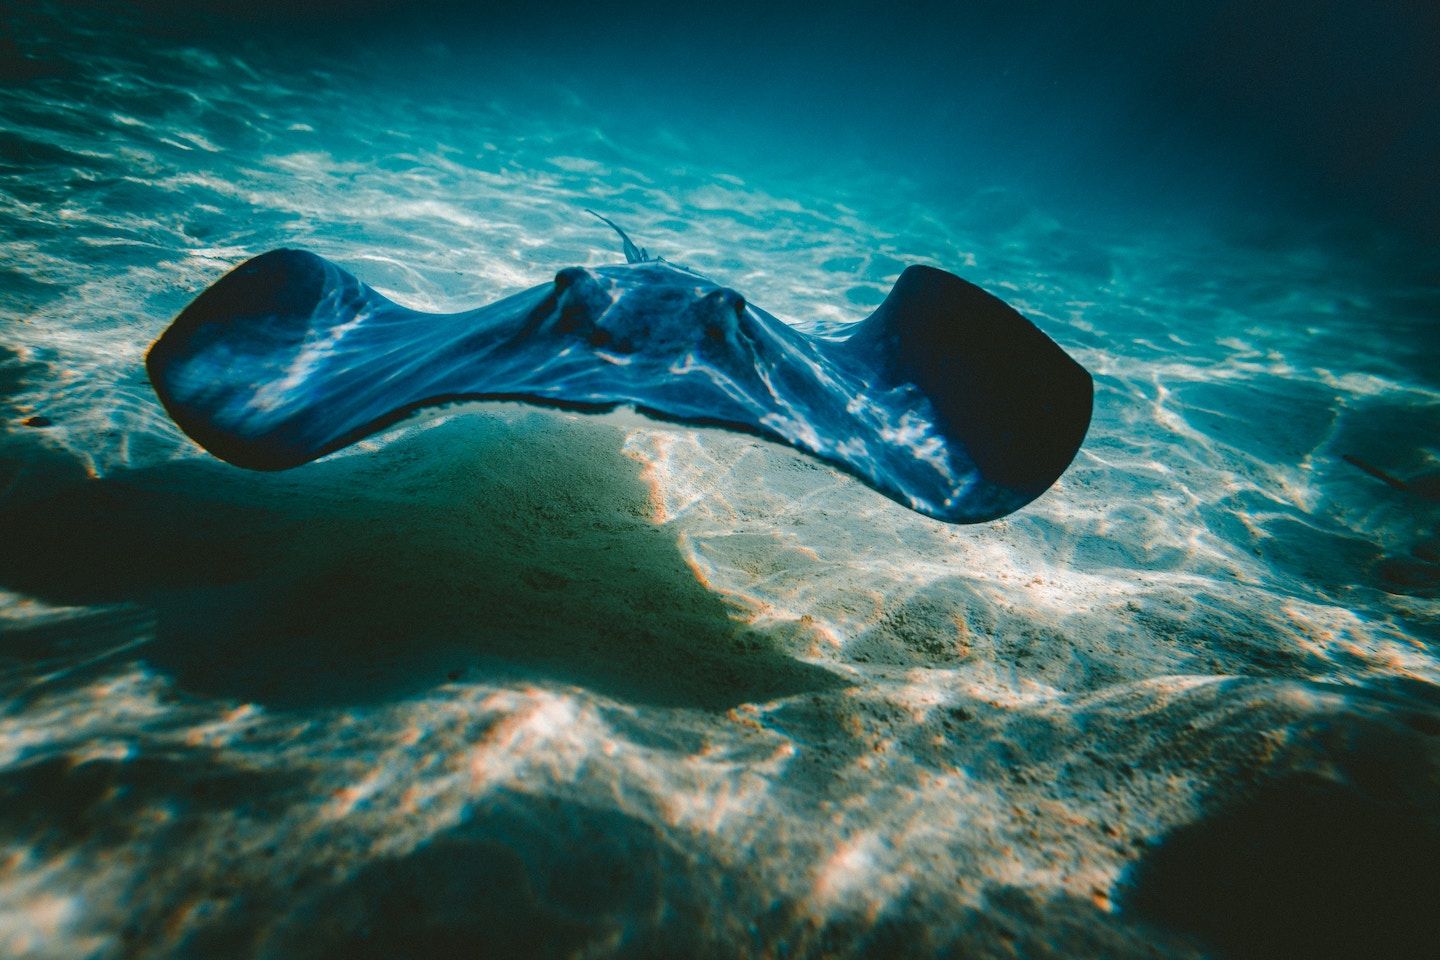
731 300
567 277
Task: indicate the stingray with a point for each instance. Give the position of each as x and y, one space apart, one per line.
945 398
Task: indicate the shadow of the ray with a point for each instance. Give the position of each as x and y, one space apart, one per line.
516 544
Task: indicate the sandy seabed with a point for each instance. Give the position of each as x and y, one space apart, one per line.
511 682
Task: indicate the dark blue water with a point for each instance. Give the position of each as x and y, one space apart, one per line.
521 682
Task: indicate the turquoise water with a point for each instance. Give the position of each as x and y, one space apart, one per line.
512 682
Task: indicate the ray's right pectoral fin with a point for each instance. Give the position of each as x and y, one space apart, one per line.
1017 402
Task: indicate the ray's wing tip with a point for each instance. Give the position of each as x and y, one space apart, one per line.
1013 397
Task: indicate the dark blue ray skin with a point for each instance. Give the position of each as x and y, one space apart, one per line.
944 399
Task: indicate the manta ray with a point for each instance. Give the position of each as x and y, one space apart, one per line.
944 399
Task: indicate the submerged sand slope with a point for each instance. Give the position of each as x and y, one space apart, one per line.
465 686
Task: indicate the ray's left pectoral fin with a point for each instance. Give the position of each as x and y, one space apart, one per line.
288 357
